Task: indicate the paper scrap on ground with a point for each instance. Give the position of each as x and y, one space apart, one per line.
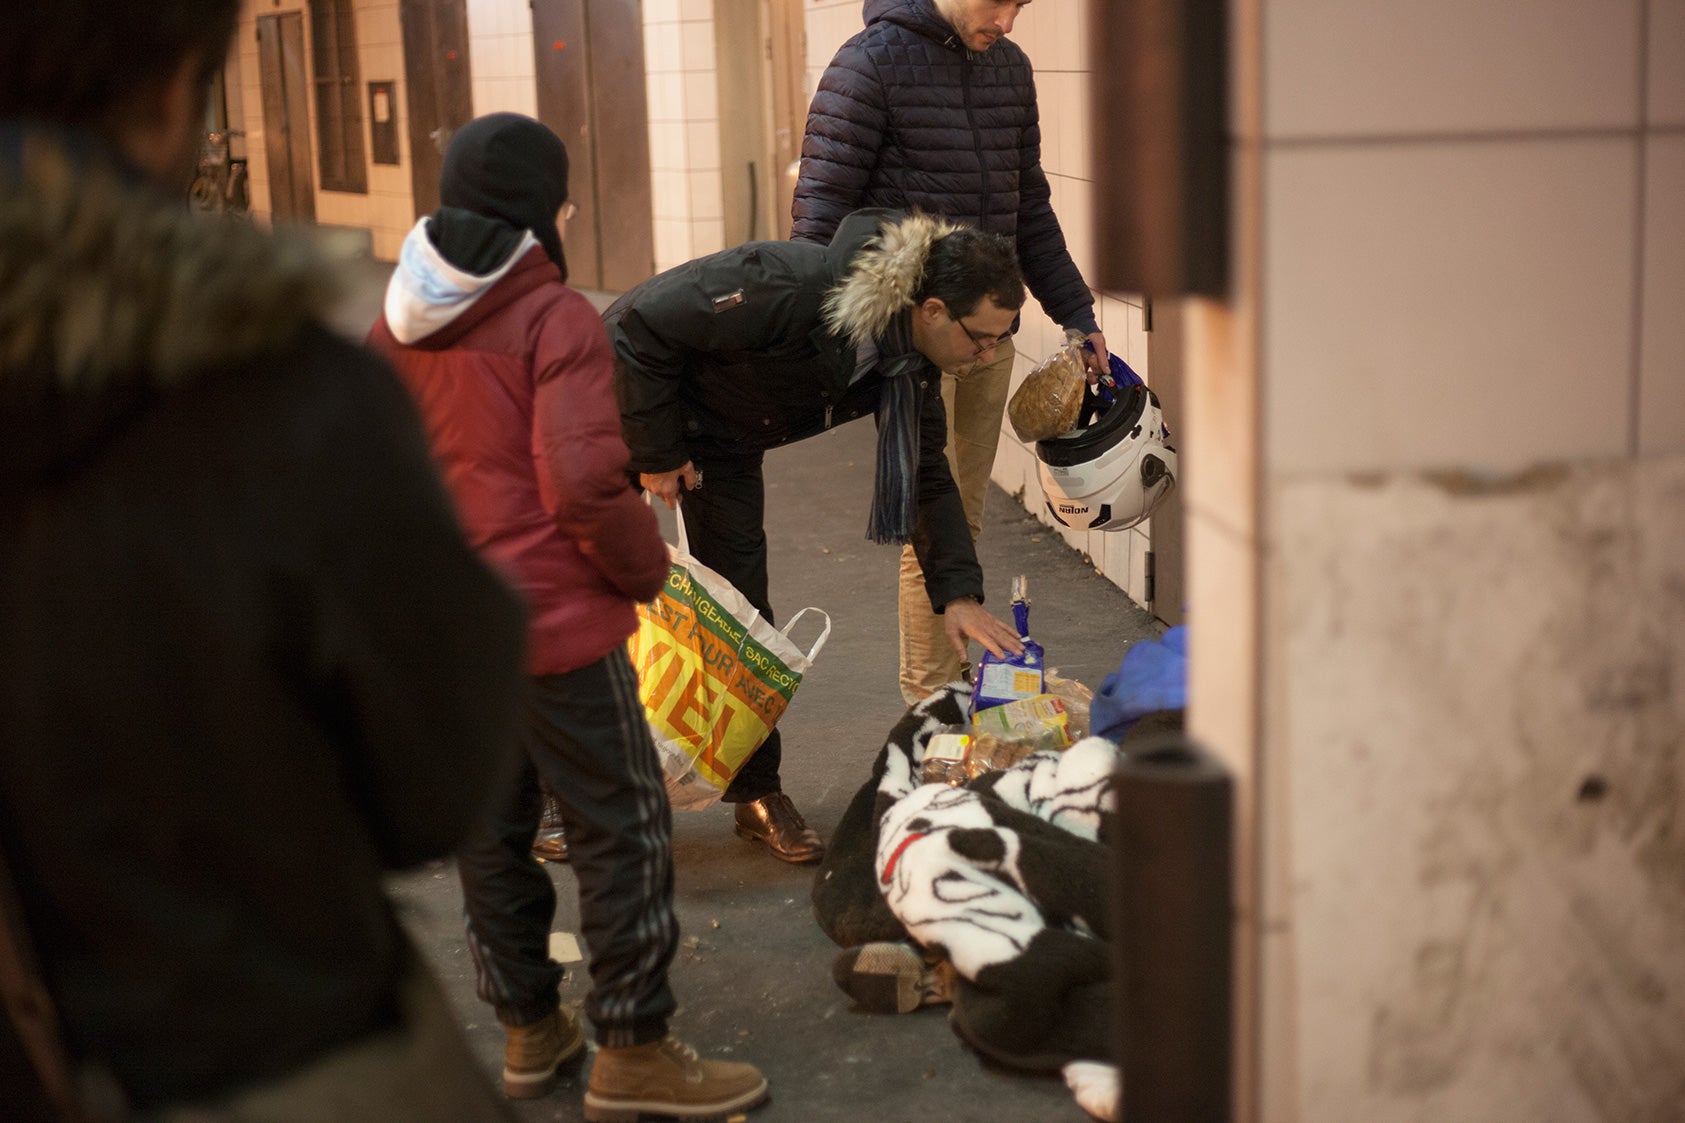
564 947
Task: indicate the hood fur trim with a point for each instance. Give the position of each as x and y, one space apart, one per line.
883 277
103 283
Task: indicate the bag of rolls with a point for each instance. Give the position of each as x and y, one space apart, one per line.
1049 400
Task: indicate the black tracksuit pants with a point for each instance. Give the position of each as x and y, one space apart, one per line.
587 738
725 519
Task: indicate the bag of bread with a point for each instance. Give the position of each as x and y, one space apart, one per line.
1049 400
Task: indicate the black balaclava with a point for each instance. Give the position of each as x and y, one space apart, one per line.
511 168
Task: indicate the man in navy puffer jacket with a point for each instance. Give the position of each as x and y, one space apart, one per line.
932 108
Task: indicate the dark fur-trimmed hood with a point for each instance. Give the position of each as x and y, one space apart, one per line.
104 281
111 293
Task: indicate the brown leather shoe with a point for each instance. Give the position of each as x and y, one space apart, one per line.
774 820
550 845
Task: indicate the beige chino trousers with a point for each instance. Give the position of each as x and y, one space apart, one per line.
975 397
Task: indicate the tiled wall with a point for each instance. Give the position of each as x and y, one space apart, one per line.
684 129
1471 387
500 57
1052 33
243 69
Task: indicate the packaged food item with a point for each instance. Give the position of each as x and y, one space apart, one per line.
1040 717
1077 699
991 754
1002 679
955 753
945 753
1049 400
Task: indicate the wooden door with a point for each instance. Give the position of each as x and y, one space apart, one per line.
286 117
439 93
787 49
589 65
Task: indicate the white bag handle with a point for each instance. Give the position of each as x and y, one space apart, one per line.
678 517
823 636
684 549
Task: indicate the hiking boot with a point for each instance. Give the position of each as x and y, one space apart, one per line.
774 820
666 1077
533 1053
893 978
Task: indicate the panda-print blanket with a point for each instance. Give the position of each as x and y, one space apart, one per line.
864 885
1004 875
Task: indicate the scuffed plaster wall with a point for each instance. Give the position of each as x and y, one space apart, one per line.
1481 705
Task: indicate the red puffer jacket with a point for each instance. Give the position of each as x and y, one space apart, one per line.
514 379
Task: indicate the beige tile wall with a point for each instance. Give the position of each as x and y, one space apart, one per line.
251 98
500 57
684 130
1661 387
1665 72
1416 290
1364 68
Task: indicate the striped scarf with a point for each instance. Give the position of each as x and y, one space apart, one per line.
894 493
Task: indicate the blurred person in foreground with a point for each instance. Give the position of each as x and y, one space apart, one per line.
932 106
755 347
248 662
512 372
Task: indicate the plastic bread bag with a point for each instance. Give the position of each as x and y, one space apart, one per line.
1077 699
994 754
955 753
1049 400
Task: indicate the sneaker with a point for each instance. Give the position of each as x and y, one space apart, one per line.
666 1077
892 978
533 1053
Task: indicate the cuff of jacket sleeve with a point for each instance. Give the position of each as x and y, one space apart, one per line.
1083 321
940 599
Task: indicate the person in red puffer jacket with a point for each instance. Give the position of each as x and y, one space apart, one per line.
512 371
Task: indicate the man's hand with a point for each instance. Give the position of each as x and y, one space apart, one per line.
964 620
666 486
1099 360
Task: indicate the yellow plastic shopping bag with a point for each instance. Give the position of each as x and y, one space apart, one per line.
714 676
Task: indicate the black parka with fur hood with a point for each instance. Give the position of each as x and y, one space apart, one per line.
754 347
247 661
907 117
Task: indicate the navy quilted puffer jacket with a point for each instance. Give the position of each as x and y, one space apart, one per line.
907 117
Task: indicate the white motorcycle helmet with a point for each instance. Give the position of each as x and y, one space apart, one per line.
1113 469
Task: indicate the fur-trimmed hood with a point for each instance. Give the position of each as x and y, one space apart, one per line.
883 276
111 290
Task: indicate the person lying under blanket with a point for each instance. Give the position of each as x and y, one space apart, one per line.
990 896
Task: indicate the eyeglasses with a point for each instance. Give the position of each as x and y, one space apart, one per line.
569 209
983 342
